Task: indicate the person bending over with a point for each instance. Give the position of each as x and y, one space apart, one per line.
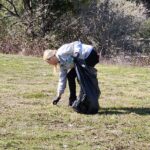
64 57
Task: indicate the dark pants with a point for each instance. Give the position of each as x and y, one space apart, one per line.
91 61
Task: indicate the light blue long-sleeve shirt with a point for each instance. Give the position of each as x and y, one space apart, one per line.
65 54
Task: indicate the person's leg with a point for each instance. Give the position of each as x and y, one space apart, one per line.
92 59
72 85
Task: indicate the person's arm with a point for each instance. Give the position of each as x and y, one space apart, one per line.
61 84
62 81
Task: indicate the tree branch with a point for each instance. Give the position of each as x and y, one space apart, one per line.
14 7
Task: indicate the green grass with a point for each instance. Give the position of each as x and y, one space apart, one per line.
29 121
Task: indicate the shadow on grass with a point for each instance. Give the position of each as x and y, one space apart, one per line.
124 110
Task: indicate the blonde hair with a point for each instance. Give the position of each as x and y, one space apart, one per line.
55 69
48 53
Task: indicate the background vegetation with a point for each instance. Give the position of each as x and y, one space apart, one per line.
112 26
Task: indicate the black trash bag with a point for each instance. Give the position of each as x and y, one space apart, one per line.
87 102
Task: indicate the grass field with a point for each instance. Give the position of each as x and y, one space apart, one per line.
28 120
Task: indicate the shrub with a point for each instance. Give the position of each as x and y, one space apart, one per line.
110 25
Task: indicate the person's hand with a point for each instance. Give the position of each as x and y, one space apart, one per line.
56 100
76 55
